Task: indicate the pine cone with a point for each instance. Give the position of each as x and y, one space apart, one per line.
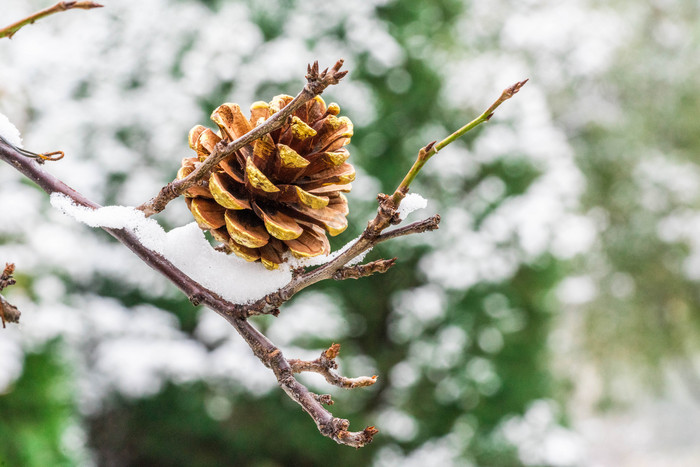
281 193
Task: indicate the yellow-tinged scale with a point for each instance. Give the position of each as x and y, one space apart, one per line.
279 231
347 122
184 172
301 130
333 231
259 105
201 221
337 158
333 108
242 236
344 179
222 196
333 122
300 254
258 179
290 158
264 147
312 201
194 134
247 254
271 265
277 100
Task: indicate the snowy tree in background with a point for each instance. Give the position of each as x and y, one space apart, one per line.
116 367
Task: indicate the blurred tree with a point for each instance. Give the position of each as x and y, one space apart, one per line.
458 330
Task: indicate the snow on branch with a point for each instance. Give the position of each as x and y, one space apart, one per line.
236 289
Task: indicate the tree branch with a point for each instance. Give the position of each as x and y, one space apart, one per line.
266 351
10 30
236 314
325 364
316 83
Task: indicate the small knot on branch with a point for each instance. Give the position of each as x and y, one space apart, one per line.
358 439
324 399
6 278
196 299
332 352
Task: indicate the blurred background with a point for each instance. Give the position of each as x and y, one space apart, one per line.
552 320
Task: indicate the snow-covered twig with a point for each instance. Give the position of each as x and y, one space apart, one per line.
10 30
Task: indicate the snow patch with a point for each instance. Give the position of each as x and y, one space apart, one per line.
9 132
412 202
186 247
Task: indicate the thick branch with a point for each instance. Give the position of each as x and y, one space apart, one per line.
315 85
10 30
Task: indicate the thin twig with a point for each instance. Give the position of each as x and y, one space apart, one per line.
431 149
316 83
426 225
10 30
39 157
379 266
325 366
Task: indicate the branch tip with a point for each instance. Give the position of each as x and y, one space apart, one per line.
511 91
332 352
12 29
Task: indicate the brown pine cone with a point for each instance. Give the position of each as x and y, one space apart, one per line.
281 193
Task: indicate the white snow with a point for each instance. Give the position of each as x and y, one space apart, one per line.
412 202
186 247
10 132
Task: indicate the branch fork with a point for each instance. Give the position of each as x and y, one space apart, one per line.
236 314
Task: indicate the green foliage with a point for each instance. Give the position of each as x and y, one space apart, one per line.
36 411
